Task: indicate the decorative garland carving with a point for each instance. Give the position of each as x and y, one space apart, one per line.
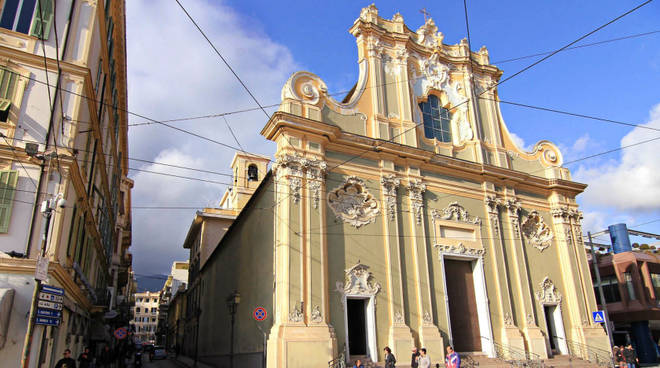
416 192
316 315
456 212
296 314
293 168
530 320
352 204
508 320
548 293
358 281
398 318
390 184
427 319
536 231
459 249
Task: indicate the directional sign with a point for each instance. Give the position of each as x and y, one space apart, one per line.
48 313
52 290
49 305
51 297
259 314
47 321
121 333
598 316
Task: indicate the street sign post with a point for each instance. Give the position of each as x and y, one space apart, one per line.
51 297
598 316
52 290
46 321
49 305
48 313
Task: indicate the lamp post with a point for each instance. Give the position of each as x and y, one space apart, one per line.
232 303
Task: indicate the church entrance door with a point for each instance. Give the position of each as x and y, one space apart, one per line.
463 313
356 312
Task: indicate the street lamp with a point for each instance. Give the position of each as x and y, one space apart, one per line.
232 303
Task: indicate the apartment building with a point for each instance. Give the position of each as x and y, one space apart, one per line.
63 142
145 316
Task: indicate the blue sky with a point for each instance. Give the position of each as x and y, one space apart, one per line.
265 42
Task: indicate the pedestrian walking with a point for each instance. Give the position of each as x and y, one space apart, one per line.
85 359
630 356
452 360
424 360
413 359
66 361
390 360
106 357
358 364
619 360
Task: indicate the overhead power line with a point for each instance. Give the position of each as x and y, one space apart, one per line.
576 47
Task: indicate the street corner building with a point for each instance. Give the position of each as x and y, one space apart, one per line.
402 216
64 191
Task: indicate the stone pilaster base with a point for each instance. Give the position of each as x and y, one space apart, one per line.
536 342
513 339
432 340
400 340
298 346
596 337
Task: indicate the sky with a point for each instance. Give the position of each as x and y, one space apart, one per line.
174 73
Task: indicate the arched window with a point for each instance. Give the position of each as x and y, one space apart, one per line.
436 120
253 173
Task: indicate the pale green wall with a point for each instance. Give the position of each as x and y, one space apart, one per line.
244 262
348 123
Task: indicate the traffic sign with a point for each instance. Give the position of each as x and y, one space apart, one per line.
259 314
52 289
48 313
51 297
47 321
598 316
121 333
49 305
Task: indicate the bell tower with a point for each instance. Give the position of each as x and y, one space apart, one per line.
248 171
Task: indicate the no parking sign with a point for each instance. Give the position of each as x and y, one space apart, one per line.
259 314
120 333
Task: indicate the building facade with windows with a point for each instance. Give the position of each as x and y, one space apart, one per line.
403 215
63 135
145 316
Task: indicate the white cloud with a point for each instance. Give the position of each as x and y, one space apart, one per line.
633 183
519 142
172 73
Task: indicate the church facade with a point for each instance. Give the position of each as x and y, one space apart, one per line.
402 216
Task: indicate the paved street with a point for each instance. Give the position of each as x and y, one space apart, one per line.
164 363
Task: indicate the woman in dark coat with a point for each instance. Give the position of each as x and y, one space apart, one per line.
390 360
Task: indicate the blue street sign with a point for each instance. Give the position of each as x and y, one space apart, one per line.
598 316
48 313
48 321
52 289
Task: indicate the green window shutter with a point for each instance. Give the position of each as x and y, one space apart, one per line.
46 19
8 179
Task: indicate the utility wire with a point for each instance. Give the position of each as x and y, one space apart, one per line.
576 47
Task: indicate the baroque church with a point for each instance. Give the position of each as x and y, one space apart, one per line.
402 216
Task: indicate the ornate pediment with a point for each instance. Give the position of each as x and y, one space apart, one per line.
455 212
358 281
352 204
548 293
537 232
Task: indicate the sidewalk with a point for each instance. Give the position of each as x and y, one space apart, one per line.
188 362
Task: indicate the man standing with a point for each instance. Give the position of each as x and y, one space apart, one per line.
66 361
453 360
413 359
630 356
424 360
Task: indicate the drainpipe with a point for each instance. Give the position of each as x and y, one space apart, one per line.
36 204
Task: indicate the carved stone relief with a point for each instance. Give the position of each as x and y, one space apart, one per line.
293 167
459 249
398 318
358 281
548 293
416 191
426 34
352 204
427 319
536 231
455 212
390 184
296 314
508 320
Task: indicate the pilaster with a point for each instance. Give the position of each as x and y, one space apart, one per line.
429 334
